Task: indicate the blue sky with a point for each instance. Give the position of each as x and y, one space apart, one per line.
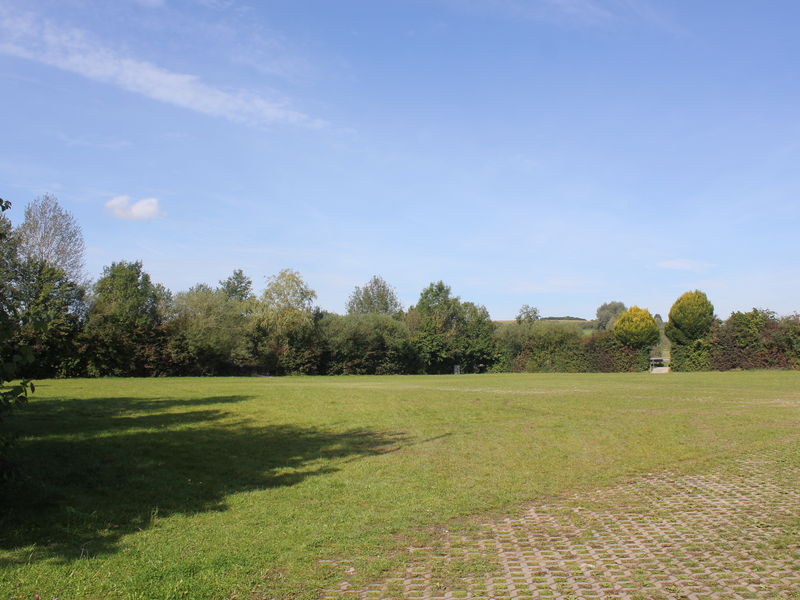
556 153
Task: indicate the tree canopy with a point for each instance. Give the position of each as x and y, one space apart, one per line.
449 332
14 356
527 314
690 318
52 235
376 296
238 286
636 328
286 304
607 314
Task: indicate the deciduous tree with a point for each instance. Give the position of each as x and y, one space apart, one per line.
376 296
527 314
9 260
449 332
121 327
52 235
284 310
47 296
607 313
213 325
238 286
14 357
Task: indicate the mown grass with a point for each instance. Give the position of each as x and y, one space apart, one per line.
252 487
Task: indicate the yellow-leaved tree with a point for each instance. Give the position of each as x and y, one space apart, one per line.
284 310
636 328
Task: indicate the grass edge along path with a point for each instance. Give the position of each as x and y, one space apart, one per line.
220 488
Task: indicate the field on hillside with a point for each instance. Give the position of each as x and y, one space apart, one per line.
259 487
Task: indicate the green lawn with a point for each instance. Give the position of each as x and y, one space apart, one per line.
243 487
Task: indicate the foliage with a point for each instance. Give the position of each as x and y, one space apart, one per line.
52 235
603 353
238 286
447 332
123 325
9 258
758 339
636 328
47 296
282 313
607 314
286 303
376 296
692 357
212 323
14 358
367 344
537 347
550 346
15 395
690 318
433 323
527 314
474 344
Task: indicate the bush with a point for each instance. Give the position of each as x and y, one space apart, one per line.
754 340
366 344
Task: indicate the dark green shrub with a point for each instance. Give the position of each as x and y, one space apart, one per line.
366 344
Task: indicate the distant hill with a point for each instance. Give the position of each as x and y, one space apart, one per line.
584 324
562 319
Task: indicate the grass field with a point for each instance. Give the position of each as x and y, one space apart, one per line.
248 487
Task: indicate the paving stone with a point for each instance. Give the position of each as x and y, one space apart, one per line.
660 536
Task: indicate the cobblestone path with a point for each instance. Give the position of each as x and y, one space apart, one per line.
732 534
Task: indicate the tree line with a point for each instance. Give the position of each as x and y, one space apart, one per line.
124 324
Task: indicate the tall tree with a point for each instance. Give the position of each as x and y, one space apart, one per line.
238 286
13 358
607 313
475 340
527 314
376 296
448 332
52 235
47 296
282 313
9 260
213 327
121 328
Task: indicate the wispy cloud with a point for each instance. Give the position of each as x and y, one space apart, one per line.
581 12
685 264
25 35
142 210
587 11
87 141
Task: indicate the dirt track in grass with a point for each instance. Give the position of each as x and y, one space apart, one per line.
728 534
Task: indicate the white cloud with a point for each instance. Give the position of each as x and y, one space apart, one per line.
27 36
685 264
142 210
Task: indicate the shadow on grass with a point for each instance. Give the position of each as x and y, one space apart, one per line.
98 469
